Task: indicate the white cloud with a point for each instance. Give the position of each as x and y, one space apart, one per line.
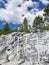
40 13
13 13
31 16
44 1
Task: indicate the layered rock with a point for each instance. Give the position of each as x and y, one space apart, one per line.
24 49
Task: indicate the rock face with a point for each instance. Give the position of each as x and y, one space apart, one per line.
24 49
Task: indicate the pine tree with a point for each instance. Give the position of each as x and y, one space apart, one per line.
6 29
37 24
46 10
25 25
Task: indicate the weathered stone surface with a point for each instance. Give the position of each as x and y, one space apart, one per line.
24 49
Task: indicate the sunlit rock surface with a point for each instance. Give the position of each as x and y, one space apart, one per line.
24 49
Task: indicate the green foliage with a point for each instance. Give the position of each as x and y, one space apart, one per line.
23 28
1 32
46 14
25 25
46 10
7 29
38 23
45 27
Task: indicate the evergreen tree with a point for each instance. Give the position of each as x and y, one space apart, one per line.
25 25
6 29
45 27
46 18
46 14
38 23
46 10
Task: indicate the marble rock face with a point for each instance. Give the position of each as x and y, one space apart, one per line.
24 49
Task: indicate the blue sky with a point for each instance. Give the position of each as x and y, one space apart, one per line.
14 11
